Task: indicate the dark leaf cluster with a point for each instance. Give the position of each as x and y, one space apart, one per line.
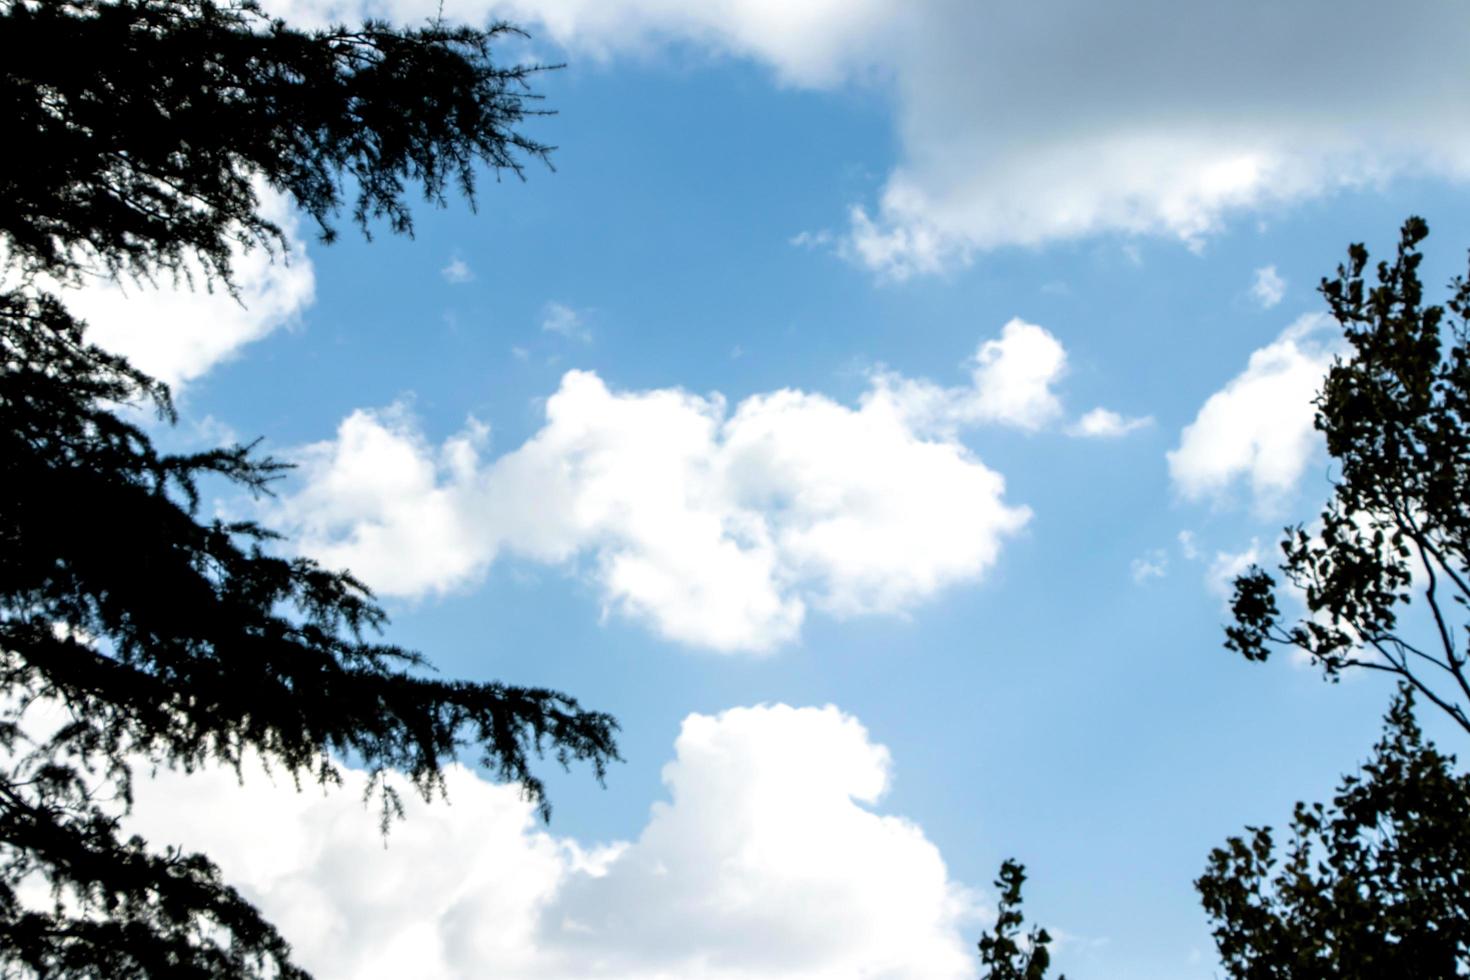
1397 528
1006 953
1377 885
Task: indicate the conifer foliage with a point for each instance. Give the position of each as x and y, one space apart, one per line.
135 631
146 124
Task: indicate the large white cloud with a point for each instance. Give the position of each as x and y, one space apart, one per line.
718 528
765 862
177 332
1022 123
1258 428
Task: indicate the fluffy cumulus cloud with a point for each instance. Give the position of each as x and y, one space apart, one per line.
1258 428
176 332
718 528
1014 375
399 512
1021 123
766 861
1012 383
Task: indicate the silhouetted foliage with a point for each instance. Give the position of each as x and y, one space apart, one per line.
1006 953
133 631
1374 886
1397 529
146 124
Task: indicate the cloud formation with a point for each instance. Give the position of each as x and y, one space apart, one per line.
1269 288
1012 383
177 333
1020 124
562 320
766 861
457 272
718 529
1104 423
1258 428
1155 564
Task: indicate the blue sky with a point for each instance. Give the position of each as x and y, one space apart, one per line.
769 422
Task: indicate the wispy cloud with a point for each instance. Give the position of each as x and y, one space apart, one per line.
1103 423
1269 288
1153 565
562 320
457 272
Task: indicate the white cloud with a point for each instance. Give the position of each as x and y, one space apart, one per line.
380 500
1103 423
1021 123
812 239
1011 383
562 320
765 862
719 529
1258 428
457 272
1153 565
1188 546
1013 377
1269 288
813 43
176 333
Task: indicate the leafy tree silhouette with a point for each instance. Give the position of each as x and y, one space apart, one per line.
1395 536
1006 953
1372 887
1375 885
141 132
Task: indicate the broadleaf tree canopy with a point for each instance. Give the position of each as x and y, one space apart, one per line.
1385 572
1007 953
1373 886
